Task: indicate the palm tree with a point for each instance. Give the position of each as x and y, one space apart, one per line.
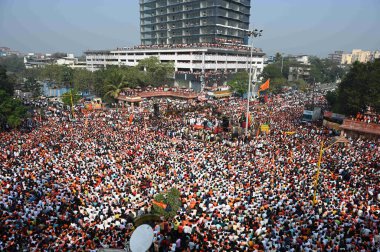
115 84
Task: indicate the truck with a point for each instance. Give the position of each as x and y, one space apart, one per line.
311 115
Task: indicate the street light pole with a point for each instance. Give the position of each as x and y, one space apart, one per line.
254 33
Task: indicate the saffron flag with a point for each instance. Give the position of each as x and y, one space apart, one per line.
264 86
249 119
160 204
130 118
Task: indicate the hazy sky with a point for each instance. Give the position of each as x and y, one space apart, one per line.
315 27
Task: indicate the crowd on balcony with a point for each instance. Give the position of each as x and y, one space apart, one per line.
195 45
211 77
78 185
367 117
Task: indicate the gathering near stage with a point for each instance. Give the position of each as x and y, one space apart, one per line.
78 185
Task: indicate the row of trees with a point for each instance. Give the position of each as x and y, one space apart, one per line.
359 90
106 81
12 111
321 70
148 72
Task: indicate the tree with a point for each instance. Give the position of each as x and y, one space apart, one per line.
98 78
58 55
134 77
325 70
59 75
115 84
331 97
71 98
300 84
155 73
359 89
33 86
13 63
272 71
83 80
172 200
12 111
5 83
67 75
239 83
277 84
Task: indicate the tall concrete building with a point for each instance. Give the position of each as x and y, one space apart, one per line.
194 21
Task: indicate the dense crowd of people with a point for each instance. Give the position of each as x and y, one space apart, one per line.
195 45
367 117
210 77
78 185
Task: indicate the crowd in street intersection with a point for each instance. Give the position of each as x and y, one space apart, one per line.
78 185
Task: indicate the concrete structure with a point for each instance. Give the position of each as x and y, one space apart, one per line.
37 60
336 56
356 55
302 71
186 59
198 36
195 21
375 55
358 128
299 72
71 62
303 59
6 51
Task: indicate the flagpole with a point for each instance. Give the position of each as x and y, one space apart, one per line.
249 90
254 33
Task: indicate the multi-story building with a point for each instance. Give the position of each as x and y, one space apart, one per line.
356 55
201 37
193 21
187 60
375 55
6 51
38 60
301 70
336 56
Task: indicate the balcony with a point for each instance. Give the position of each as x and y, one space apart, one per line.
361 127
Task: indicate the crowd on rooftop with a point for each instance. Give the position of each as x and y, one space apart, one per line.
78 185
227 46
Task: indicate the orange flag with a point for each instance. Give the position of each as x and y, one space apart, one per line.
265 86
159 204
130 118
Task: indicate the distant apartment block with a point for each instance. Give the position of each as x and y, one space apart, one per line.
38 60
6 51
358 55
375 55
302 71
336 56
194 21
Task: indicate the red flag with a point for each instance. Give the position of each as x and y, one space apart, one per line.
264 86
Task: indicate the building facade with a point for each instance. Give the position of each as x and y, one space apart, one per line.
187 61
356 55
336 56
302 71
194 21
